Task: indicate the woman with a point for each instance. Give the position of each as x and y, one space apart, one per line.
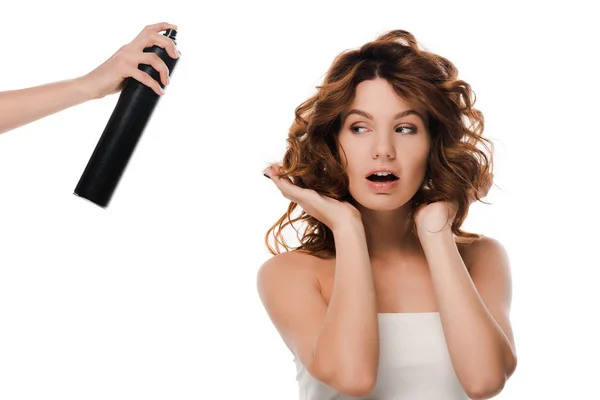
20 107
386 296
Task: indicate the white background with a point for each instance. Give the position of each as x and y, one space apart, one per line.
155 297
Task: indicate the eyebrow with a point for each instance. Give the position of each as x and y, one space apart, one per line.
397 116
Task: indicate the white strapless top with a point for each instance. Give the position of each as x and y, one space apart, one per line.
414 363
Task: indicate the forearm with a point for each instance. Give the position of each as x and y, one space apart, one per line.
348 345
479 349
20 107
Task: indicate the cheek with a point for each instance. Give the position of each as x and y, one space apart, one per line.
413 162
351 155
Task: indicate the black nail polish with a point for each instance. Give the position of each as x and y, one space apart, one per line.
266 176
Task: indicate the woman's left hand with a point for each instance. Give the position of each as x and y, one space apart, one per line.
439 216
435 217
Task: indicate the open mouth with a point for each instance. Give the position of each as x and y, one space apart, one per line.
382 177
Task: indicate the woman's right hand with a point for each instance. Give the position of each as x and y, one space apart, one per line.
108 77
331 212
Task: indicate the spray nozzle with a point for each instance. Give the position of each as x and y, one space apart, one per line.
170 33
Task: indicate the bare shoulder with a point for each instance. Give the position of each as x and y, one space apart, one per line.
296 263
483 251
288 267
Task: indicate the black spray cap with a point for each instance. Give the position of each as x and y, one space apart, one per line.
170 33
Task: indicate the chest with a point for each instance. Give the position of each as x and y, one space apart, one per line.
402 285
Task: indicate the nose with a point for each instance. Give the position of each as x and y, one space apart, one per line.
383 146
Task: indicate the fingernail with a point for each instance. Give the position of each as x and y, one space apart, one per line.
266 176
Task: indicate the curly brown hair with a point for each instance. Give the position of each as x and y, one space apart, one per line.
460 160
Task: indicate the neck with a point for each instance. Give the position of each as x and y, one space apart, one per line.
389 233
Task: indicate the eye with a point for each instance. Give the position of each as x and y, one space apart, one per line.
406 129
403 129
357 129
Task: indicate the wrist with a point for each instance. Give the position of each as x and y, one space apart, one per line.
83 87
352 223
429 236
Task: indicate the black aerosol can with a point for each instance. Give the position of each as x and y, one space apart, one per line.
122 133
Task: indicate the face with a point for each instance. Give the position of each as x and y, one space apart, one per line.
384 144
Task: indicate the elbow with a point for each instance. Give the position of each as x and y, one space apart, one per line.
511 366
491 384
486 388
358 382
359 386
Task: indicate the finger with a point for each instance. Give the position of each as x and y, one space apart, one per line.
148 38
285 185
159 27
147 80
158 64
159 40
302 196
164 42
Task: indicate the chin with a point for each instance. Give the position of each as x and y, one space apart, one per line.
381 202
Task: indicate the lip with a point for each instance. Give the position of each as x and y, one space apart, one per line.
382 187
382 169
